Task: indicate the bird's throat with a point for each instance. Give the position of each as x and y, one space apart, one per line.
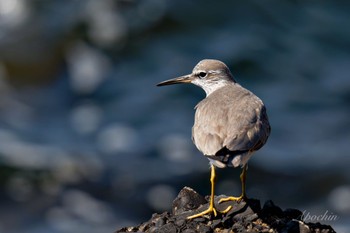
210 87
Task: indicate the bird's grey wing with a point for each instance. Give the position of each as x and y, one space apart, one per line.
222 132
249 127
208 131
249 133
230 123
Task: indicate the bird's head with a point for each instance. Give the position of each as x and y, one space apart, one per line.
208 74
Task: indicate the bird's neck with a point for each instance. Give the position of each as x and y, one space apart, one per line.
212 86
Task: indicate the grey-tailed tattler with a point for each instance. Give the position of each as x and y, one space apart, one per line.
229 124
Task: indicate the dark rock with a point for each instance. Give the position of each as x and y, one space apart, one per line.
144 227
200 219
216 223
180 222
296 226
186 200
242 213
270 209
167 228
252 217
205 229
225 231
159 222
153 230
189 231
245 216
320 228
293 214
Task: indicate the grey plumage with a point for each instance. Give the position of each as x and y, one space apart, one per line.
229 125
231 122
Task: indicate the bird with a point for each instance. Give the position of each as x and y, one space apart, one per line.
230 123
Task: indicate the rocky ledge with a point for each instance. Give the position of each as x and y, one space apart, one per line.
245 216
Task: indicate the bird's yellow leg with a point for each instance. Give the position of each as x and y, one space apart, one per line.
211 208
243 177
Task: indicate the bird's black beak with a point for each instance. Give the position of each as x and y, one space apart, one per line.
183 79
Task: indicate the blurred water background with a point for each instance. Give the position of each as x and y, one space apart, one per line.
88 143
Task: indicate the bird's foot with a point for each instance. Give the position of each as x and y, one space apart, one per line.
210 210
237 199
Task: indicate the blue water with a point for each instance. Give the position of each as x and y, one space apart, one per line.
89 143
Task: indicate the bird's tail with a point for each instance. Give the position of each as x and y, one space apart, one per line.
226 157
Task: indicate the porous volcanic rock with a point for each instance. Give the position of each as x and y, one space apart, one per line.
245 216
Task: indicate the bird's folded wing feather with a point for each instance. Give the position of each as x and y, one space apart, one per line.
222 121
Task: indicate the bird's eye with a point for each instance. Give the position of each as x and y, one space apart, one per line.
202 74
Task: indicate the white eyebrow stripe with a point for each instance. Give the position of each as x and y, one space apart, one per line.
200 71
210 71
214 71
